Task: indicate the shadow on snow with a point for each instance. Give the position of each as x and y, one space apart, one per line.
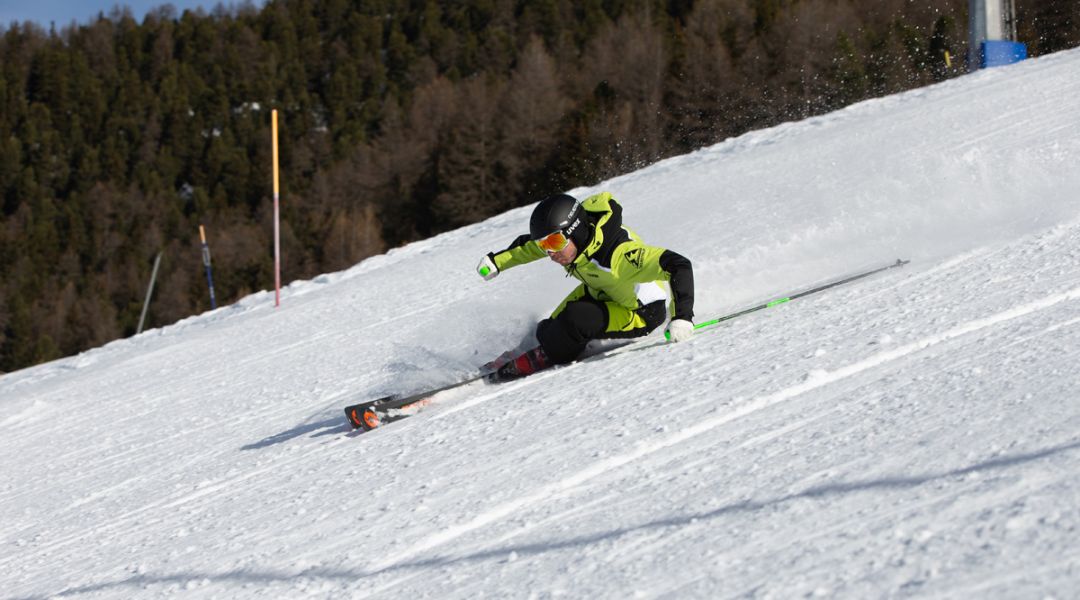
325 427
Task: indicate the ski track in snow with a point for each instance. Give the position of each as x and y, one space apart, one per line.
914 434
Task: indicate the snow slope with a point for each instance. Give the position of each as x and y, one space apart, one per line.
914 434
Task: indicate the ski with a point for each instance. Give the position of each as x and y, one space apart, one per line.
374 413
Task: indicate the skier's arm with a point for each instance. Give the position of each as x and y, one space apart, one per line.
523 250
681 272
649 263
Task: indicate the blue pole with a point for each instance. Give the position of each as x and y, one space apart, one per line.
206 263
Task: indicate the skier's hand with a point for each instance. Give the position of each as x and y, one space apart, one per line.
487 268
679 330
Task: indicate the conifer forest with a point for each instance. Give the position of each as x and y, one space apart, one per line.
399 119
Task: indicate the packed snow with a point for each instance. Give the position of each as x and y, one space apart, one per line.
913 434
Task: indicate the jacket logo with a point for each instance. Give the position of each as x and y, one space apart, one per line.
634 257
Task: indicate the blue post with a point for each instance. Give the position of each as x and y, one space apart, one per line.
996 53
206 263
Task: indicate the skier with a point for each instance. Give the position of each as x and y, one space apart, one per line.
620 295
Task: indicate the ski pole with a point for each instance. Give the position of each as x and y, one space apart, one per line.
786 299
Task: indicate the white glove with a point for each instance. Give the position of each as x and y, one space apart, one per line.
679 330
487 269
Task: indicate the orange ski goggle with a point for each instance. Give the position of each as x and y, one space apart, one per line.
553 242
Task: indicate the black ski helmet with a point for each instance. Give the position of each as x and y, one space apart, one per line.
560 212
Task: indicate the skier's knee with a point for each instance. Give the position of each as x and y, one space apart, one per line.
564 337
557 342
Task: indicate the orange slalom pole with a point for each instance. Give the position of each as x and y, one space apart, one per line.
277 224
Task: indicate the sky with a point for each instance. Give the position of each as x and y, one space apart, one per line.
62 12
915 434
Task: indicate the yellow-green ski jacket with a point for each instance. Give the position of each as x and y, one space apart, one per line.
615 263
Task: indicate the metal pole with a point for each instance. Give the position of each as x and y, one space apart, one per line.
976 32
206 263
995 20
149 293
1009 8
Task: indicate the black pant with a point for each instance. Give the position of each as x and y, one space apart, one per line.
564 337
